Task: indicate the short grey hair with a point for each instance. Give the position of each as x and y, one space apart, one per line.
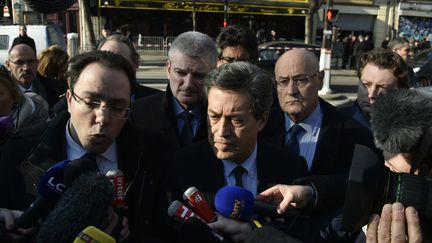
243 77
194 44
396 43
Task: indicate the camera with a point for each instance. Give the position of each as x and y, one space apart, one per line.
371 185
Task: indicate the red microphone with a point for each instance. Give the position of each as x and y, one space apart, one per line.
199 205
180 212
116 177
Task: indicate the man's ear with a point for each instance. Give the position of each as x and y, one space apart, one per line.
7 65
68 97
262 120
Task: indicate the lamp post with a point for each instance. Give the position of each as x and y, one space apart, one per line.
325 57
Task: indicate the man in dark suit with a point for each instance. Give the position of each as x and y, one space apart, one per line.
22 66
98 99
180 113
239 100
321 135
23 38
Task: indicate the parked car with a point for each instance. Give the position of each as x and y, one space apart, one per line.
422 67
269 52
43 35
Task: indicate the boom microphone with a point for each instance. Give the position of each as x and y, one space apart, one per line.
51 186
92 234
86 202
198 204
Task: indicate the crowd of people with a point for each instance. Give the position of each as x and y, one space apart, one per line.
221 121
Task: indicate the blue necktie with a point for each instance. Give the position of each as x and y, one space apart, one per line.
186 136
293 143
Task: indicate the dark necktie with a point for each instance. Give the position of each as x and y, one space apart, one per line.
238 174
186 136
293 143
92 164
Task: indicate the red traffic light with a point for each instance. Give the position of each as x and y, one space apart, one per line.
331 15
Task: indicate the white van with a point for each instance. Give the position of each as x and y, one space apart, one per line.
43 35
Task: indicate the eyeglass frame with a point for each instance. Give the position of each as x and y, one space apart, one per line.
99 106
233 59
296 80
30 62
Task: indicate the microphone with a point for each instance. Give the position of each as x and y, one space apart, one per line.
92 234
180 212
51 186
199 205
86 202
116 178
234 202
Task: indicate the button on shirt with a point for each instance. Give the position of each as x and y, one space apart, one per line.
106 161
309 137
249 177
196 120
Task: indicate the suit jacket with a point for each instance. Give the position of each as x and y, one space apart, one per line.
143 91
197 166
156 113
140 157
333 154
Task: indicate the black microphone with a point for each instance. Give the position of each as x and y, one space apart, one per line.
51 187
86 202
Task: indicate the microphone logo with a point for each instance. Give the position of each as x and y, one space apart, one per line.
56 186
237 209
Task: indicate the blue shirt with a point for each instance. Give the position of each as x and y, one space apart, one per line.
250 177
106 161
309 137
196 112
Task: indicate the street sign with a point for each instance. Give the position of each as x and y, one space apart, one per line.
328 32
6 12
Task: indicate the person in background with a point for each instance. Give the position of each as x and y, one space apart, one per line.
384 43
401 47
105 32
53 63
379 70
236 43
23 38
25 109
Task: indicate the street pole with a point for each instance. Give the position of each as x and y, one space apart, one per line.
325 57
193 16
225 23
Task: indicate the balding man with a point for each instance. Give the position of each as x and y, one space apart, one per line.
306 124
22 65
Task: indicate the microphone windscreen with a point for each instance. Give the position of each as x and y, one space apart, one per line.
86 202
234 202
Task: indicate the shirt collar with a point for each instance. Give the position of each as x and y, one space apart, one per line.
178 109
74 150
310 124
22 89
249 164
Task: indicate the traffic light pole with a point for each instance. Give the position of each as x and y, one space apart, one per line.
325 57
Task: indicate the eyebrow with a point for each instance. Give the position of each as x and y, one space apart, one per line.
108 99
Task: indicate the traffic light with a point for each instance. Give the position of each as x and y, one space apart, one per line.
332 15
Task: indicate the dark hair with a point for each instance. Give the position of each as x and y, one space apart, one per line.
237 35
106 59
386 59
396 43
11 86
134 56
243 77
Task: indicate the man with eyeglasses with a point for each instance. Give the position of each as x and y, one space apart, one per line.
180 112
96 123
306 124
236 43
22 66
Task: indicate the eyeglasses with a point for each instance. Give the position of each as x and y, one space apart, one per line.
91 105
300 81
233 59
20 63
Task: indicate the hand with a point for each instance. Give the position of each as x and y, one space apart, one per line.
113 221
287 197
391 227
236 230
8 218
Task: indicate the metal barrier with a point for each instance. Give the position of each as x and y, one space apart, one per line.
168 41
151 44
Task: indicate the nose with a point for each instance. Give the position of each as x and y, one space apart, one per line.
224 128
103 115
292 88
372 94
188 80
